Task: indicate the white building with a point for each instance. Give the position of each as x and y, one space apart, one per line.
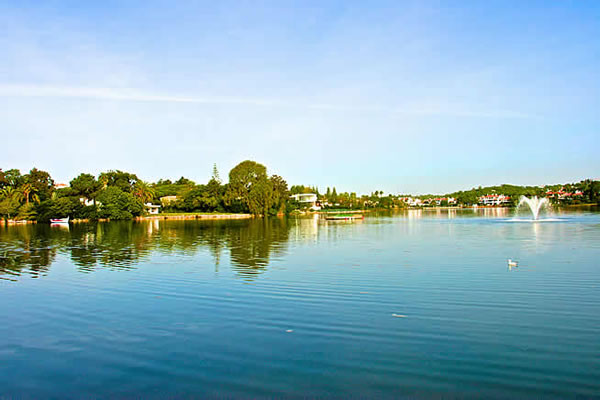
307 199
152 208
494 199
413 202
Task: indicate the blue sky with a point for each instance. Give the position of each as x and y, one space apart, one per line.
400 96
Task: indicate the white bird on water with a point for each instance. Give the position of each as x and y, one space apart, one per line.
512 263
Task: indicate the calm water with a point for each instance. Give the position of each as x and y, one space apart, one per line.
412 305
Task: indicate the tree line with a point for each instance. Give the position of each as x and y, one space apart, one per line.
589 188
121 195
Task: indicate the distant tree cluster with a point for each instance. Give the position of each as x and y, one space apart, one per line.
249 190
20 194
589 188
120 195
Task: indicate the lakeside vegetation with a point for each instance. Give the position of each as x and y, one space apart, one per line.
332 200
120 195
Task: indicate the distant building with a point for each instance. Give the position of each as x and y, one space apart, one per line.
166 200
494 200
564 195
307 199
152 208
411 201
60 185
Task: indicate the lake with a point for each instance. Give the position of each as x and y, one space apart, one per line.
415 304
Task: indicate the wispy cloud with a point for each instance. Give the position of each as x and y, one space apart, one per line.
119 94
134 95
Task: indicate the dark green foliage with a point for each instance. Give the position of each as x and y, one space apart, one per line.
27 212
241 179
122 180
591 189
299 189
185 181
86 186
280 195
260 197
3 181
115 203
10 201
60 207
41 182
164 187
469 197
13 178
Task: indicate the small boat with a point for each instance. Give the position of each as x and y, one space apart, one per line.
59 220
512 263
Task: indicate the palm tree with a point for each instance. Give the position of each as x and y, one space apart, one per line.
143 191
10 201
10 193
28 189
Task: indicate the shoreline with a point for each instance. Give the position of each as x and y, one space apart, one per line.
193 216
208 216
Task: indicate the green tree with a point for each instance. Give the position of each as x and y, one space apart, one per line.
42 183
184 181
215 174
143 191
280 194
28 189
27 212
10 201
213 193
260 197
3 181
197 199
14 178
241 180
591 190
118 204
120 179
86 186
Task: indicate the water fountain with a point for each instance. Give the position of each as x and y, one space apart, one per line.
535 204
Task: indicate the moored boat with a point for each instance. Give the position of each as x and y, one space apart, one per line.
59 220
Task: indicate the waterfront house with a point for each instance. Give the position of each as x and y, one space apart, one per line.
494 200
564 195
309 200
438 200
152 208
411 201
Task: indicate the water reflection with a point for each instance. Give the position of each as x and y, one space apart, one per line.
246 247
32 249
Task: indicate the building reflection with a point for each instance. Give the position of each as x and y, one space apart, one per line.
246 247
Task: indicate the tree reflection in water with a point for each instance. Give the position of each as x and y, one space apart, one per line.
22 248
32 249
